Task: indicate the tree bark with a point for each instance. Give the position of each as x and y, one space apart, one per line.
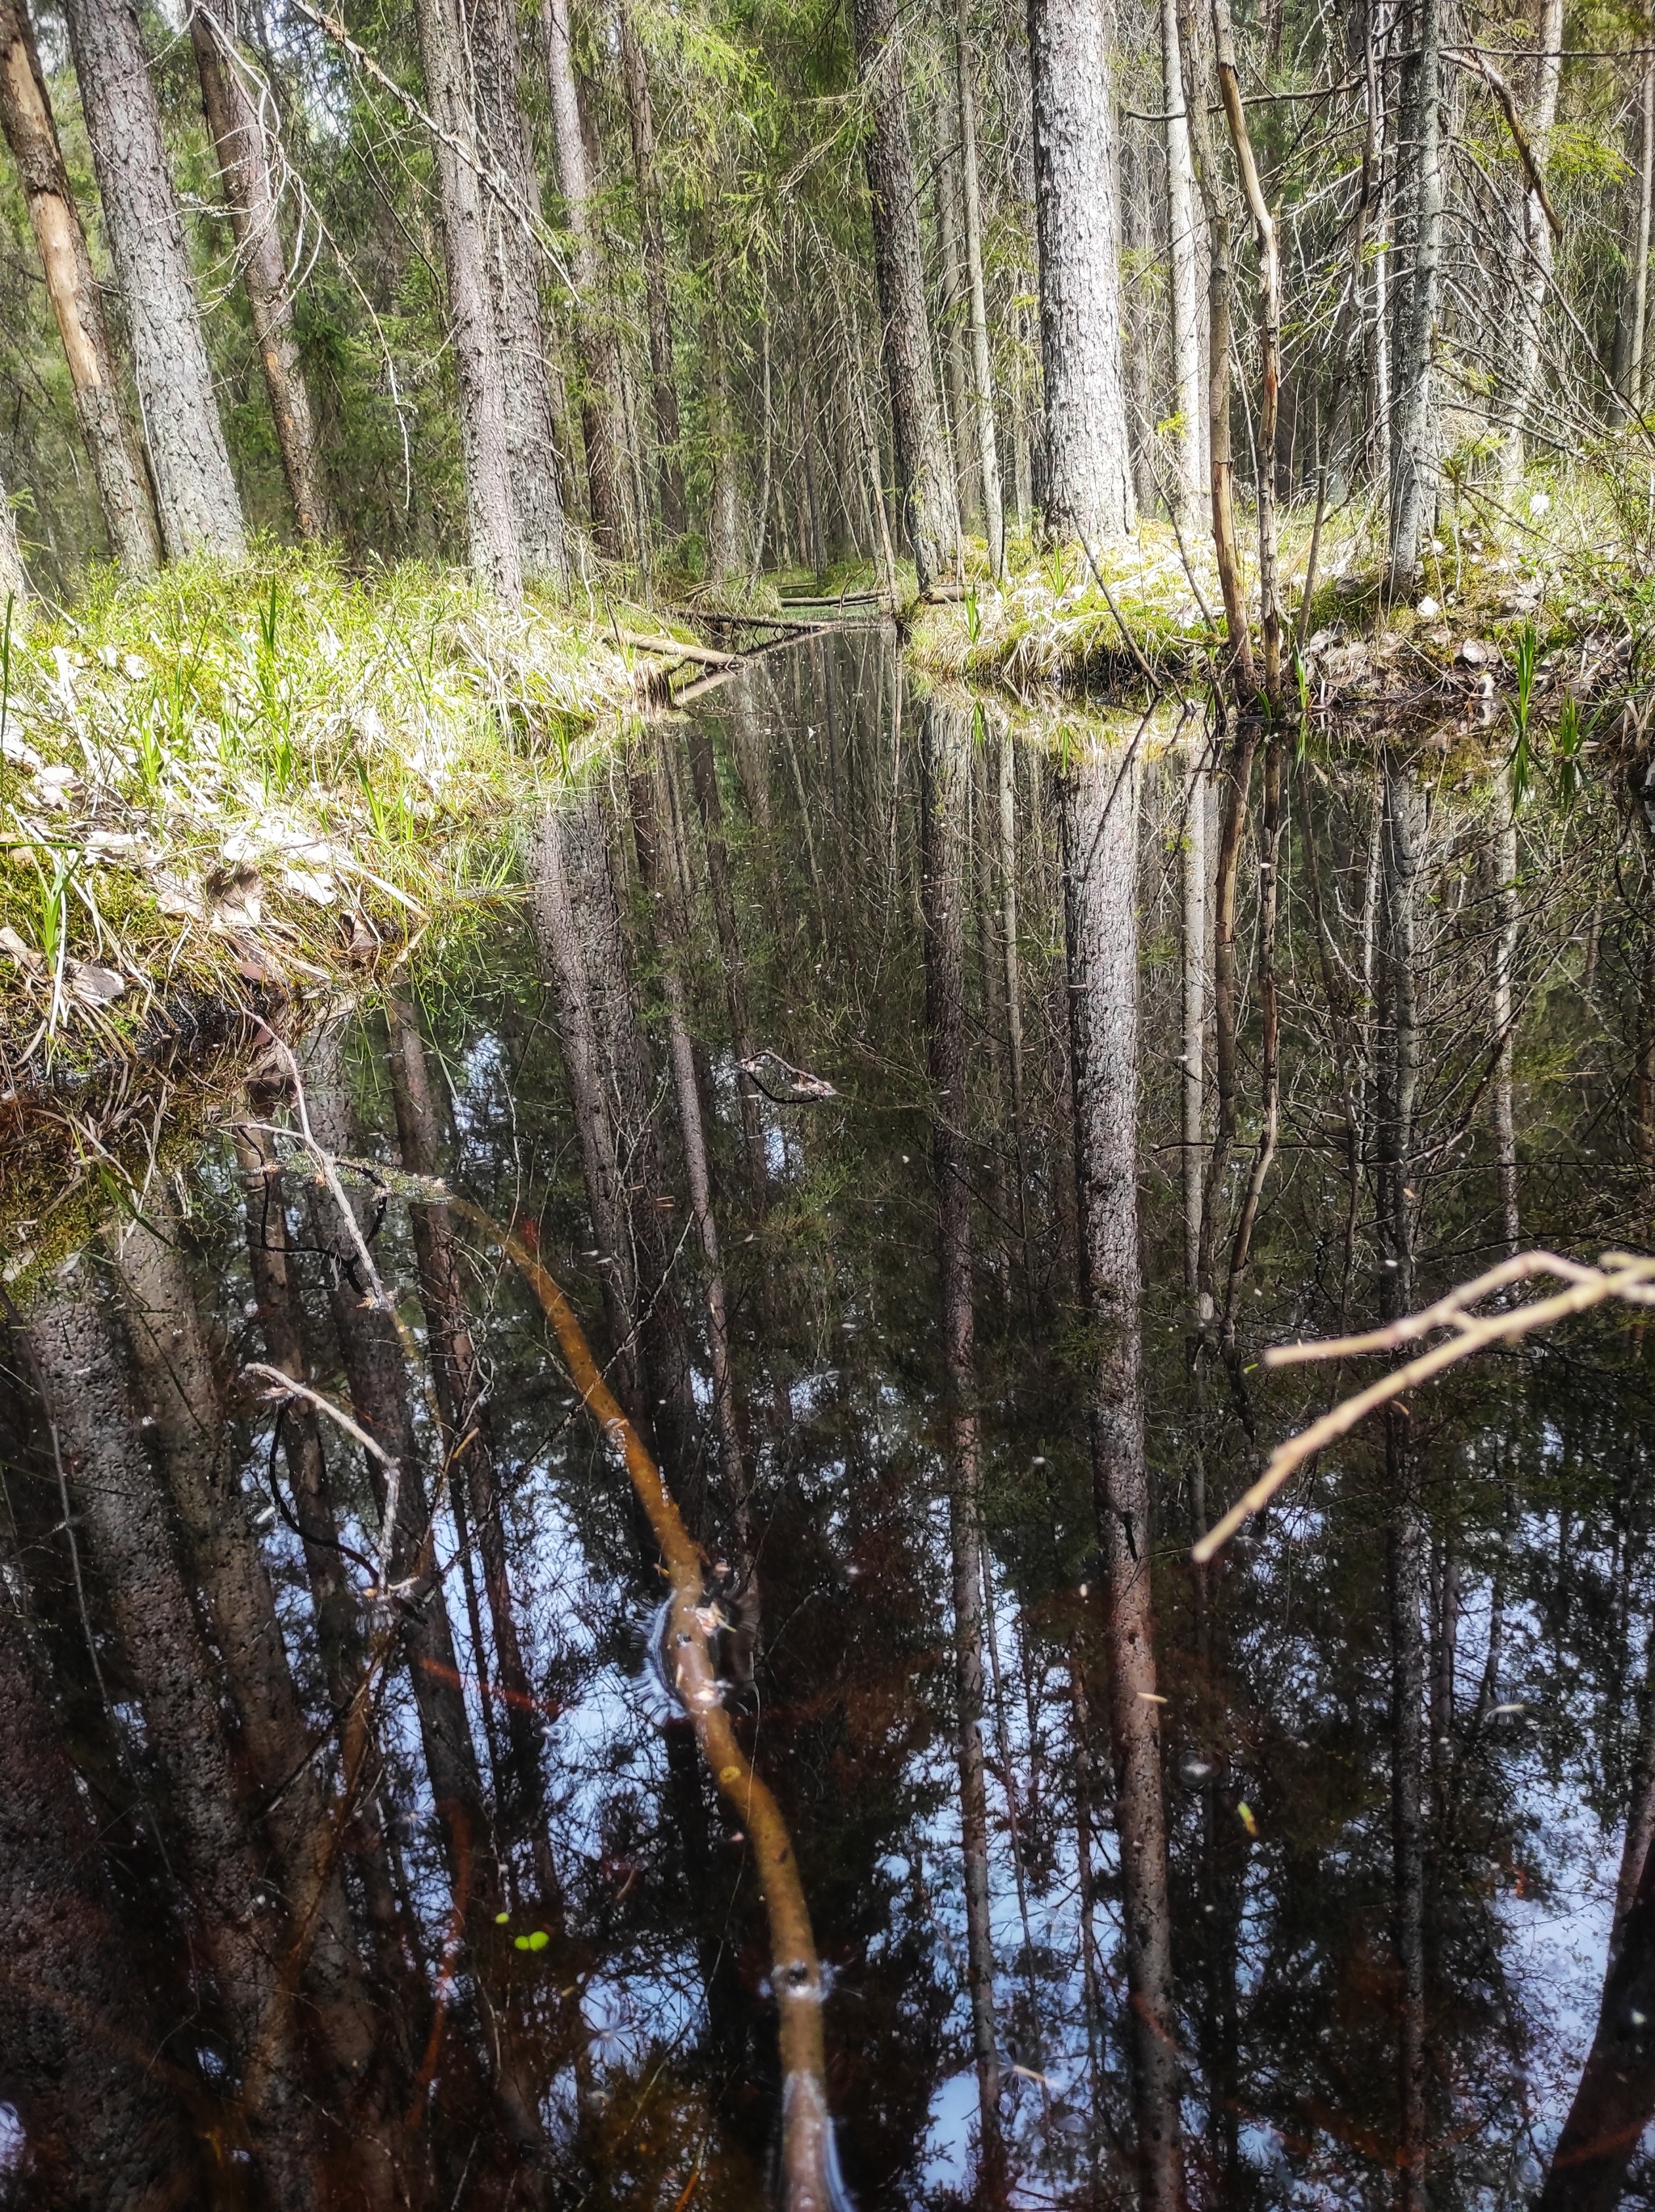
1401 836
514 261
946 770
1536 263
1645 226
1099 825
922 458
186 1408
461 1399
496 553
988 457
107 2128
238 129
31 132
594 343
1615 2099
1192 1059
1184 247
664 387
377 1377
1414 314
727 555
235 1900
198 506
1089 492
1504 855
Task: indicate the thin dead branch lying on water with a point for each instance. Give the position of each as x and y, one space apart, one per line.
1622 1275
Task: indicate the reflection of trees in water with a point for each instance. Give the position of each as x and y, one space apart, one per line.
1420 1674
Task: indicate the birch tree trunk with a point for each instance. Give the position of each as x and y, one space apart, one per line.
1536 266
593 344
198 506
664 387
31 131
727 555
514 261
1099 827
1414 313
490 506
1089 492
946 770
988 457
103 2118
922 458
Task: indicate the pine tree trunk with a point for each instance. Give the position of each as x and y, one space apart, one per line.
946 769
664 387
31 132
1535 264
1192 1059
461 1399
377 1375
592 342
104 2120
1100 821
186 1412
1401 836
922 458
727 555
1089 492
1645 234
196 497
1414 313
513 260
1185 255
1504 856
490 507
988 456
243 1930
244 167
952 295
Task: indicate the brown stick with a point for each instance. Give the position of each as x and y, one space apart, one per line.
807 2156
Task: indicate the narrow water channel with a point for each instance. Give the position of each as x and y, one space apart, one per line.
360 1839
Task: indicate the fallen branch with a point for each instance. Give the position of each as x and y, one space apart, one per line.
1621 1275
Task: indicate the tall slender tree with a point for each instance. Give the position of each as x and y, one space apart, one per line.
496 550
239 126
1089 492
31 131
196 497
923 477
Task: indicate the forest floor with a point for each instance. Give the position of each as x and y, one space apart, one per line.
1535 591
225 791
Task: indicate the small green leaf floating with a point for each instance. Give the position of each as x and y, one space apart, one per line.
539 1940
521 1942
501 1919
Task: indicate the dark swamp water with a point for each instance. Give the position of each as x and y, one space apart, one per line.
377 1823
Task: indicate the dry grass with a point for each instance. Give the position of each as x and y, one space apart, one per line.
223 789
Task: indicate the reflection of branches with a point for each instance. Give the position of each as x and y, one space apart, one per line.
1618 1275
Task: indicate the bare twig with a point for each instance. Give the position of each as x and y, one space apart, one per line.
1622 1275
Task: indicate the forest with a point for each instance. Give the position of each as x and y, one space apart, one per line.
826 1106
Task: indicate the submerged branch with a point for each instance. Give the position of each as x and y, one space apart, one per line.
809 2162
